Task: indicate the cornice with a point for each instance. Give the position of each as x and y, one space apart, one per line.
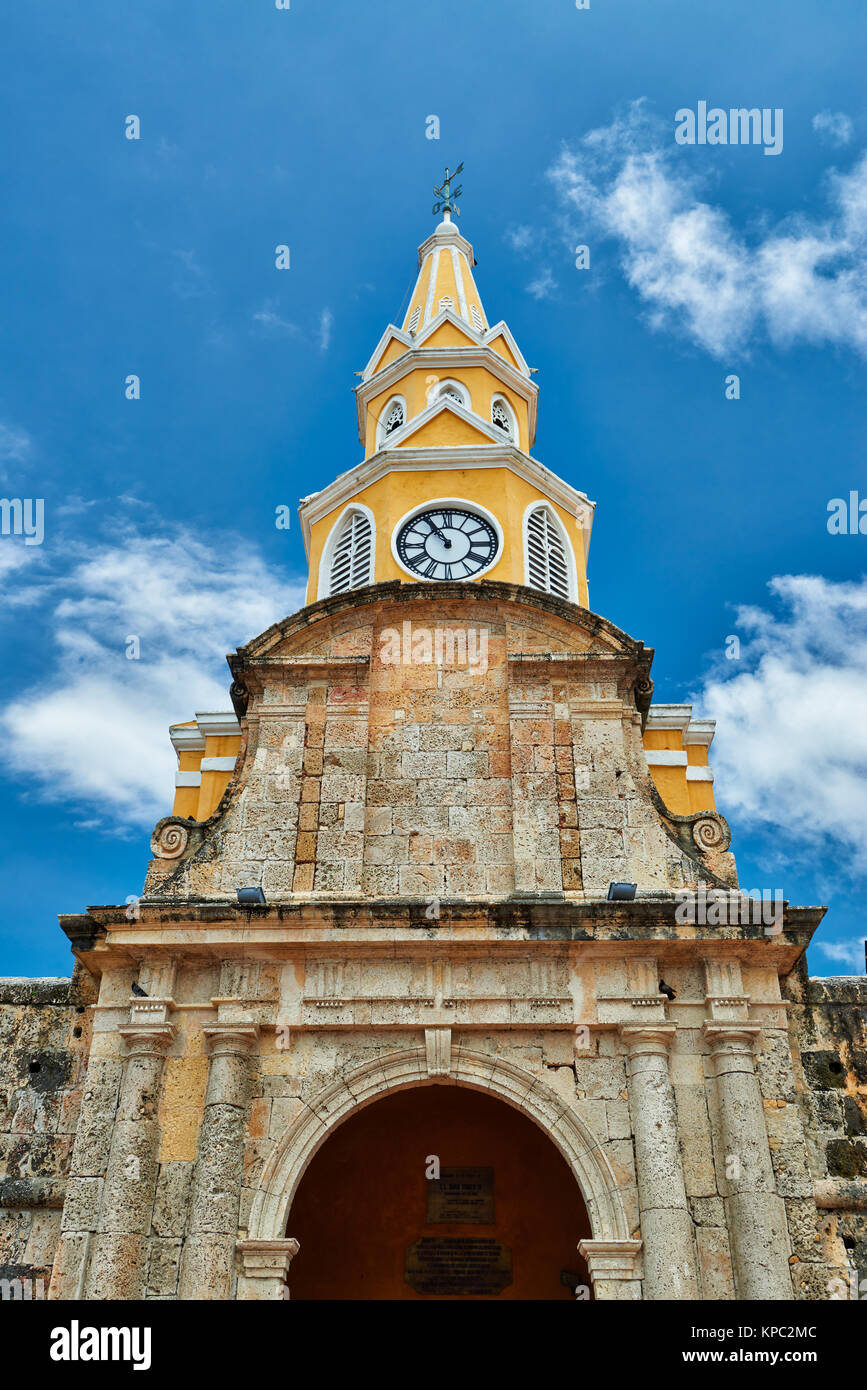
476 338
446 234
374 927
454 359
409 460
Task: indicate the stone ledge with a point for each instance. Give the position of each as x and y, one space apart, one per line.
23 1194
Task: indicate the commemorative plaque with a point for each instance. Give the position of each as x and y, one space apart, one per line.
455 1265
461 1195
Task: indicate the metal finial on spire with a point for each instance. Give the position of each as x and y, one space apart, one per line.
447 196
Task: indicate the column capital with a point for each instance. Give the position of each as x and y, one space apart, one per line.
265 1267
611 1259
731 1036
650 1037
223 1038
147 1039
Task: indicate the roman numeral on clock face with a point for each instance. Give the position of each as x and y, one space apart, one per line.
447 543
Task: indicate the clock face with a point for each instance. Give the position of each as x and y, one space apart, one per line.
447 542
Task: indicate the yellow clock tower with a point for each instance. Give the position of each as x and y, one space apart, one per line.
448 488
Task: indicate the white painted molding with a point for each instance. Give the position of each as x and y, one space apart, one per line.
219 764
669 717
190 779
217 725
679 717
428 307
445 234
443 385
409 460
700 731
665 757
451 359
459 281
436 407
699 774
186 738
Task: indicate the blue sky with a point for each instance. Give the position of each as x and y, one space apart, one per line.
307 127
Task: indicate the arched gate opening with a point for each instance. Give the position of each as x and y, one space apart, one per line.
438 1192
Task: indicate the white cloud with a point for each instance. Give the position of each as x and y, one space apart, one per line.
697 274
15 444
326 321
15 556
271 322
543 286
190 280
834 126
790 753
520 238
848 953
95 732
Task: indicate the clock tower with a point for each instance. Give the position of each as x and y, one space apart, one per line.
441 984
448 488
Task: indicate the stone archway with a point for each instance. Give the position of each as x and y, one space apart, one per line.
611 1255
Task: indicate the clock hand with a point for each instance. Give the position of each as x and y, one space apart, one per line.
445 540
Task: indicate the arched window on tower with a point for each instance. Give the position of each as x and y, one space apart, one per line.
503 417
392 418
549 564
453 389
347 560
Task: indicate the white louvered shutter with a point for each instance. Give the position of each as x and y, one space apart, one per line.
547 568
351 561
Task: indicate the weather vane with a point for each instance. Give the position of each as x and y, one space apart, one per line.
447 196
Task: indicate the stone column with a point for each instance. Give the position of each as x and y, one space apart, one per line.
755 1215
666 1224
118 1252
208 1262
265 1268
535 808
613 1266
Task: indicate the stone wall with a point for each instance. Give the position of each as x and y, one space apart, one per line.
45 1029
828 1031
369 768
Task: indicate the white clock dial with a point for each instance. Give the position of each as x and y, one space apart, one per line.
447 542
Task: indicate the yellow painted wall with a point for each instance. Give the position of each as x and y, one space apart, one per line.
197 803
500 346
445 285
498 489
391 352
680 796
